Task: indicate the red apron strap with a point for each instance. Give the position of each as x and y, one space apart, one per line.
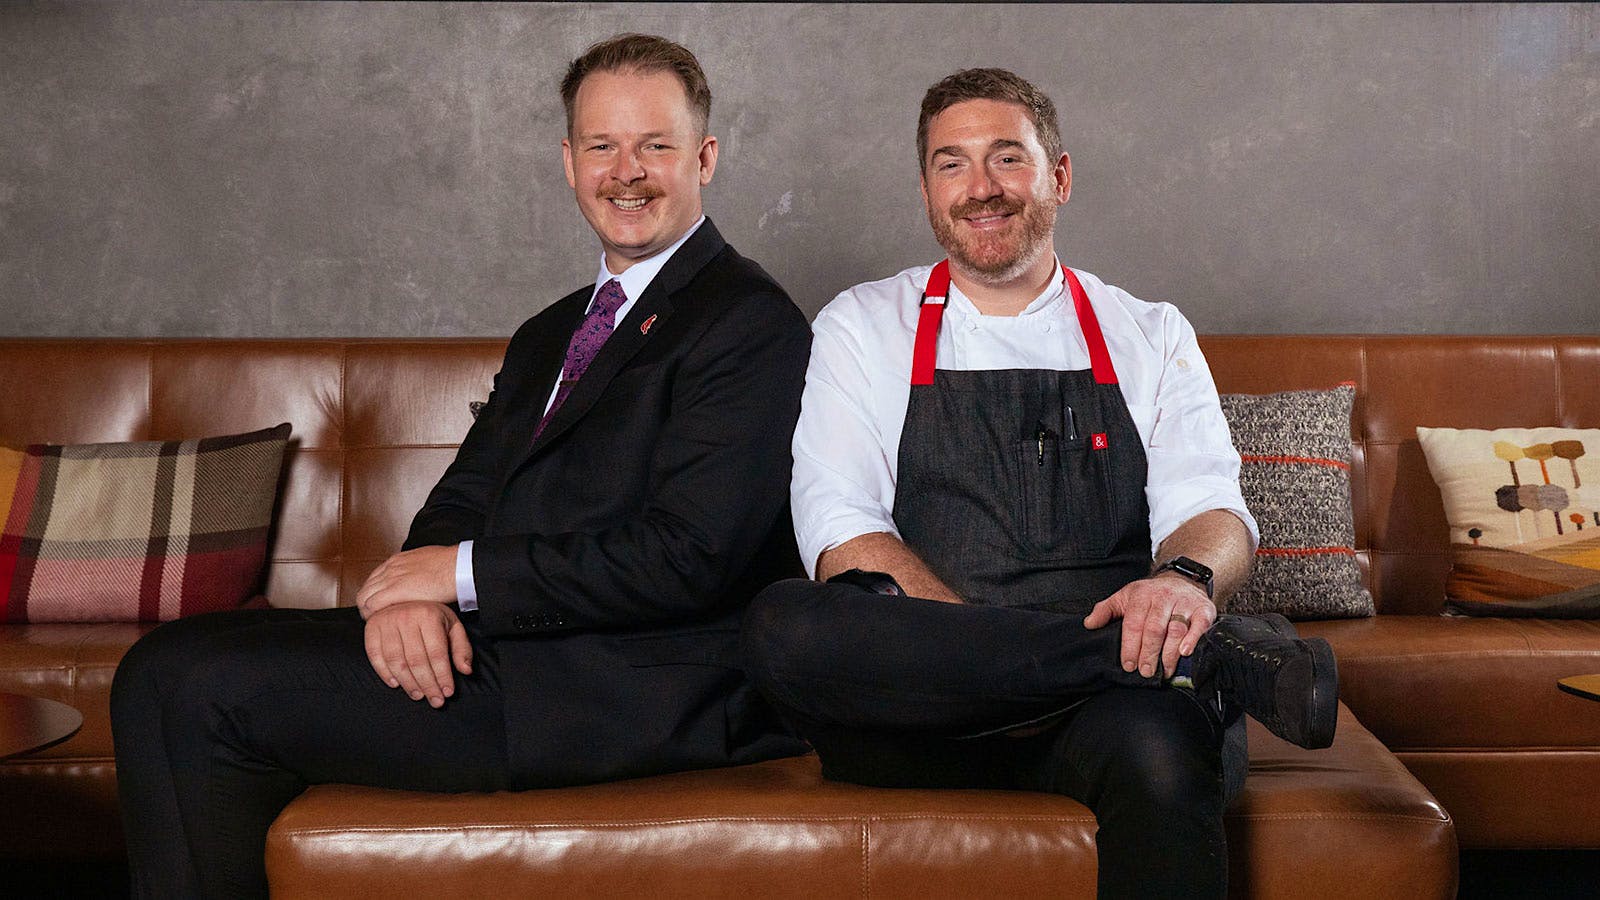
926 349
1099 356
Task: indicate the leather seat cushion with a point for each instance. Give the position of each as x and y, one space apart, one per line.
1431 683
778 829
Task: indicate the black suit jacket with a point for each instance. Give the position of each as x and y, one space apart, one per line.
614 555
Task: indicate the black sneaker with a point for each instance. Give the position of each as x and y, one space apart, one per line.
1261 664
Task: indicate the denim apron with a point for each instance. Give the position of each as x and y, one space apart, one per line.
1022 487
1025 487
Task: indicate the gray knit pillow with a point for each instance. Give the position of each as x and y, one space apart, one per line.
1295 476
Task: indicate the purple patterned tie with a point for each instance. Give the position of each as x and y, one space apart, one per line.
587 340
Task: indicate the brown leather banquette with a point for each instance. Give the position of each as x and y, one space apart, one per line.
1469 706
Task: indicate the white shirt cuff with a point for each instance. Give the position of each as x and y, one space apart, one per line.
837 527
466 590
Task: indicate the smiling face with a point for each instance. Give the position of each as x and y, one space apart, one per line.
991 190
636 158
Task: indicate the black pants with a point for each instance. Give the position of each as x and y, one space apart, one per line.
901 692
220 720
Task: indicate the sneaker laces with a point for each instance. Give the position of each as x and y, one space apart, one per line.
1247 672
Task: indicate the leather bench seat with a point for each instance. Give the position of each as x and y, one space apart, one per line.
1442 682
1471 706
1349 821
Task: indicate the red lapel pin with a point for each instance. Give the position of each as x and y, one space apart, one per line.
644 327
1099 441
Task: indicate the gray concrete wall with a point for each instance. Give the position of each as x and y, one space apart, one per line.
328 169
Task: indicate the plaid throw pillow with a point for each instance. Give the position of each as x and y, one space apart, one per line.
1295 477
146 531
1524 511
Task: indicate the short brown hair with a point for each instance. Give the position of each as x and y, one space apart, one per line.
640 53
990 84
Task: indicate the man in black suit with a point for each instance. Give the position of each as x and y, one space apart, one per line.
568 599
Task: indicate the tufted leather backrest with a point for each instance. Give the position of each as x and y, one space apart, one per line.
376 422
1406 381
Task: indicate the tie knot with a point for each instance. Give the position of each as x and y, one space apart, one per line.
609 300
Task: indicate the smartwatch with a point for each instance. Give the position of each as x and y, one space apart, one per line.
1199 573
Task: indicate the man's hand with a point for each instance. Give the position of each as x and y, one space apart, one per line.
426 573
1162 617
412 646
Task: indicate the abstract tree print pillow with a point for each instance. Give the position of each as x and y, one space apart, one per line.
1523 505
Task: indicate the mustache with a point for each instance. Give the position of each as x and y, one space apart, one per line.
974 208
639 192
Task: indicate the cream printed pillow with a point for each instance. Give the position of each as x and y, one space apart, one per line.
1523 505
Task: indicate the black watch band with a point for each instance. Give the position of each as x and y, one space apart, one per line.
1199 573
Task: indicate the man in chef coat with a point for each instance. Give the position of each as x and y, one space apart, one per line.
1016 490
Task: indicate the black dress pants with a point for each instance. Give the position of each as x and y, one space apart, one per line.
901 692
220 720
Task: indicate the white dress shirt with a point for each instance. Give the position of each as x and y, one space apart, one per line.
847 442
634 280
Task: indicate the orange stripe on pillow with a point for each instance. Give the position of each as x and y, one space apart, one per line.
1285 460
10 468
1304 551
11 478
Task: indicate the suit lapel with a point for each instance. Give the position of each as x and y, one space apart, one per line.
547 356
628 337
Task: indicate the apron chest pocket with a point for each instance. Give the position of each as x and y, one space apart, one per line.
1066 505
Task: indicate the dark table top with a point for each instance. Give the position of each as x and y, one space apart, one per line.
34 723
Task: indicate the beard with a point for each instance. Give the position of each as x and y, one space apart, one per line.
996 258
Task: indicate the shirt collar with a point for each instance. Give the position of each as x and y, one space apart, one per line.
639 275
1052 293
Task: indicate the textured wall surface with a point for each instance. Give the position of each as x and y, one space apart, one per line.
291 170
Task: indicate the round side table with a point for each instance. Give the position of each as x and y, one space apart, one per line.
1581 685
28 724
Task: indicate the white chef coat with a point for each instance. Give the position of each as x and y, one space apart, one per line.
847 442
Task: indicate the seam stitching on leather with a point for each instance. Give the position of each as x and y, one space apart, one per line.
150 390
31 761
292 833
344 469
1542 750
1070 817
866 865
456 446
1525 652
1522 632
1561 412
1374 560
1065 820
1344 817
